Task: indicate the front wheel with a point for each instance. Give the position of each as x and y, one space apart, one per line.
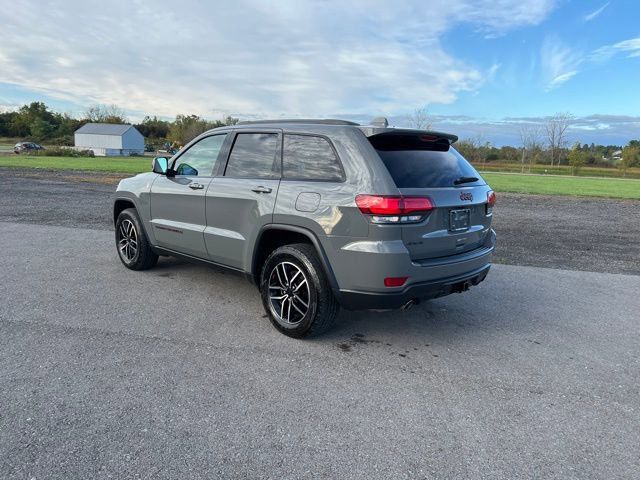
295 292
134 249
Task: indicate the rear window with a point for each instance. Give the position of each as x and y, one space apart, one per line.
427 168
308 157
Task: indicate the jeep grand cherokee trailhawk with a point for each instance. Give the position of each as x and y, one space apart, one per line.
317 213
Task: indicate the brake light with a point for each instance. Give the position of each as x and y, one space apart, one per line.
394 209
491 201
391 205
394 281
491 198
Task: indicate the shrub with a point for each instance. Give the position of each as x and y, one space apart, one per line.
65 141
630 158
62 152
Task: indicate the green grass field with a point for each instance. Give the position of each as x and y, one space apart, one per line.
501 182
557 185
125 165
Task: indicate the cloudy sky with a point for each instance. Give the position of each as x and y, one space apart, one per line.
483 67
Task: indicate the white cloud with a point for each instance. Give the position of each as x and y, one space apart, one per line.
631 47
559 62
599 129
595 13
271 58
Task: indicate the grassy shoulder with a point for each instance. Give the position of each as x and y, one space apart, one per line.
125 165
559 185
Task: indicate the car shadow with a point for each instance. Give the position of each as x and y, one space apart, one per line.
430 319
450 318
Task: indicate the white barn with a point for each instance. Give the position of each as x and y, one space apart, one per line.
109 139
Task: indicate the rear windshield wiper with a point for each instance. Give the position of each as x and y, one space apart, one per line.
462 180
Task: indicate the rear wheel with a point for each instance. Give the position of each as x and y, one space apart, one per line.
133 246
295 292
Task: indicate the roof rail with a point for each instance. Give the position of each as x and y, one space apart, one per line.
316 121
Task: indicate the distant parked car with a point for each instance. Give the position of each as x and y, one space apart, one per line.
23 147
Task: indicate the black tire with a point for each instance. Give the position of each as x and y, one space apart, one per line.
322 308
128 228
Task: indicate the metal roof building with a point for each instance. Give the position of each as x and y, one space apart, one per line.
109 139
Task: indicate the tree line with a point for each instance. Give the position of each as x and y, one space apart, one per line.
545 143
36 122
539 144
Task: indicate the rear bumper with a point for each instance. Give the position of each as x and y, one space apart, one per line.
358 300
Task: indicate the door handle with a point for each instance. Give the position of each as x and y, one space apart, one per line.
196 186
261 189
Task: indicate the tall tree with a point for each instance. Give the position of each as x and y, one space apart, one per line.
530 138
27 115
41 129
105 114
420 119
556 130
186 127
153 127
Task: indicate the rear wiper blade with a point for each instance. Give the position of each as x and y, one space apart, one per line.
465 180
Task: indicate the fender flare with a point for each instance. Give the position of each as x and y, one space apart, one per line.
121 198
314 241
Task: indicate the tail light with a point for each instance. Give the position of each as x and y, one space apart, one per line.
394 209
491 201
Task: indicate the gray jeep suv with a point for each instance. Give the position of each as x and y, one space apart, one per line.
317 213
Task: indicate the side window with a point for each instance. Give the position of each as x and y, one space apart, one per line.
201 157
308 157
253 156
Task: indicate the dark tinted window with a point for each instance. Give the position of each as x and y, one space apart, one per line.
427 168
308 157
200 157
253 155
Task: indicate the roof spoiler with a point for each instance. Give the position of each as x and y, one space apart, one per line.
423 135
408 139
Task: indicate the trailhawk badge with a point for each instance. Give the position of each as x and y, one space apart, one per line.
466 196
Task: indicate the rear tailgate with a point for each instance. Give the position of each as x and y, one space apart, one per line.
458 223
423 164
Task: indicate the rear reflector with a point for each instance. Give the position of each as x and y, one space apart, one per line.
393 205
394 281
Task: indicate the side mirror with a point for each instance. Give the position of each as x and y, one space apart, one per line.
160 165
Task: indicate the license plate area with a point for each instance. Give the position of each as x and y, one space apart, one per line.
459 220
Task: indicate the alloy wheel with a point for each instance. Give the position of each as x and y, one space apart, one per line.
127 240
289 293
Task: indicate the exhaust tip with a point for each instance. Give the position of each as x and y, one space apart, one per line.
410 303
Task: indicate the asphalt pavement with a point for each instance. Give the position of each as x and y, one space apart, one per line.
176 373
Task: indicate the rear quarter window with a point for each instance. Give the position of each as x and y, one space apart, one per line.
427 168
310 157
